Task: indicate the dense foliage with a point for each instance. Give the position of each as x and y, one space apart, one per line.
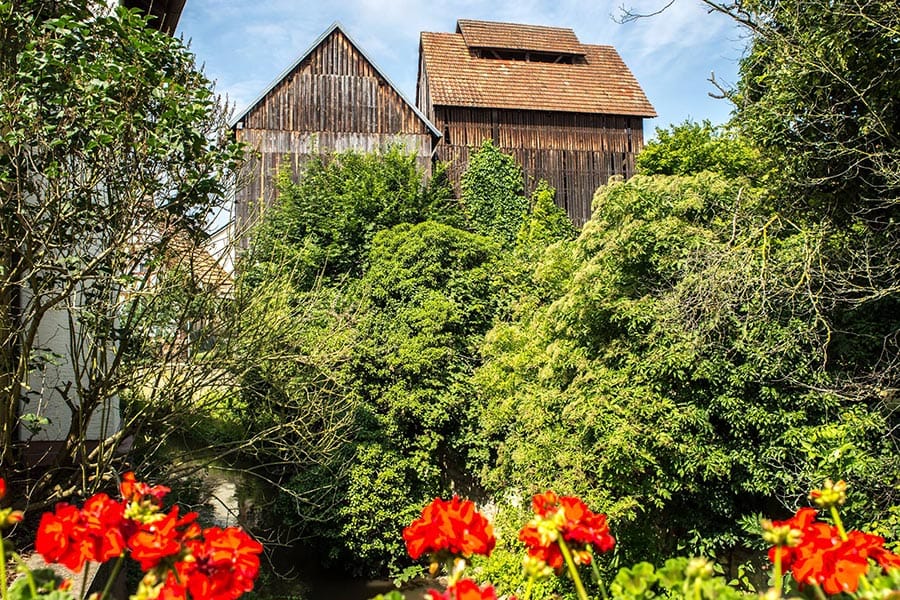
378 318
675 371
692 147
818 93
722 334
493 193
324 223
425 302
112 159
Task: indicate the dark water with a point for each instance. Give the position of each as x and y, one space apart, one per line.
358 590
232 491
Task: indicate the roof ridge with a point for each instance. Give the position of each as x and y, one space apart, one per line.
458 21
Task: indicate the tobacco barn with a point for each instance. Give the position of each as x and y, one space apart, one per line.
331 99
570 113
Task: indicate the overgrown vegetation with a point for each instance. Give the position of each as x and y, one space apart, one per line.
722 335
111 162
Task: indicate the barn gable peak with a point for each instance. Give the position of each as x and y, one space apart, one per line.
335 29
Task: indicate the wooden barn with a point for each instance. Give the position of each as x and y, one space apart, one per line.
570 113
332 98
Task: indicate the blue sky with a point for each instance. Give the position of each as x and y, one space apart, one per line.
245 44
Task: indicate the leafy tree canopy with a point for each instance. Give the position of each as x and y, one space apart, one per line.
323 225
674 379
112 158
818 93
692 147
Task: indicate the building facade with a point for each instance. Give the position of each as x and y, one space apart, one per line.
570 113
331 99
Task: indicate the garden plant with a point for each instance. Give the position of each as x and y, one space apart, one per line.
179 558
824 558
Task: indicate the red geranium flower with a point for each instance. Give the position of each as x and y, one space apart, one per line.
454 527
464 589
885 558
71 537
182 560
173 588
2 488
158 539
222 565
822 556
799 523
133 490
55 539
826 559
569 518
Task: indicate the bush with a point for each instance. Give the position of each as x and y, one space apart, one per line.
690 148
425 303
323 225
672 378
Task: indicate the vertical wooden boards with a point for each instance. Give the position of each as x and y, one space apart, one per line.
333 100
575 152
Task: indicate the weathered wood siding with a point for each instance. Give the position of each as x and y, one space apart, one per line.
334 100
576 153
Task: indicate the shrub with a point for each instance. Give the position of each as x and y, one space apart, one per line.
493 193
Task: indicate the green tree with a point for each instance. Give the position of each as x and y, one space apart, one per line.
675 378
112 158
424 305
691 147
323 225
818 93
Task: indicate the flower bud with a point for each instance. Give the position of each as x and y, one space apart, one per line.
699 568
831 495
780 534
535 567
581 557
9 517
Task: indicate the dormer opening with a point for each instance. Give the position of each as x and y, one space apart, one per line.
527 55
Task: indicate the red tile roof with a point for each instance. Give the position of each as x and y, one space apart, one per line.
598 83
509 36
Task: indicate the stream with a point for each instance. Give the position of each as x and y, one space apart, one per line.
227 508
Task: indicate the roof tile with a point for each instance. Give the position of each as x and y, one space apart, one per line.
509 36
597 83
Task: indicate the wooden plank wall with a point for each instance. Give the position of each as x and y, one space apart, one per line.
333 101
292 149
575 153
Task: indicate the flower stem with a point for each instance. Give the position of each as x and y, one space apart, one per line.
528 588
597 576
820 595
836 517
778 575
4 589
573 570
29 576
112 577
